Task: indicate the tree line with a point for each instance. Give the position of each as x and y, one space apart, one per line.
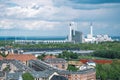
108 71
107 54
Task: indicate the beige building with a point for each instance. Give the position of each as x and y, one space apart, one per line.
88 74
58 63
40 66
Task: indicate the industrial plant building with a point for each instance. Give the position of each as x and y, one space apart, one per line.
74 36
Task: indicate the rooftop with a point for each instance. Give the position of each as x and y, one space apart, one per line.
49 57
96 61
20 57
14 76
52 69
56 77
55 60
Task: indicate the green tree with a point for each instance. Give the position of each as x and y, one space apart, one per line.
68 55
41 56
108 71
107 54
72 68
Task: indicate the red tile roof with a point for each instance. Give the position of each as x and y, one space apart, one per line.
49 57
97 61
21 57
1 57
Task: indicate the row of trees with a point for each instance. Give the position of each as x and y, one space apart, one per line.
108 71
65 55
83 46
107 54
68 55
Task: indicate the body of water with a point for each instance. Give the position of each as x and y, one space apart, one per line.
32 38
117 38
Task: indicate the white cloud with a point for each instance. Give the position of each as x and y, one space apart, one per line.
51 14
6 24
28 25
20 12
40 25
47 10
32 3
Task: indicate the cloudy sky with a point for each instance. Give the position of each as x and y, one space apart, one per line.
52 17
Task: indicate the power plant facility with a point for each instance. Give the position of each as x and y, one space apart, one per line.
95 39
90 38
74 36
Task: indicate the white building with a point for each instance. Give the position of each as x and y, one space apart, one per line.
99 38
90 38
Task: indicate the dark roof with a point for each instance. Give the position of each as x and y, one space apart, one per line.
57 77
55 60
2 74
14 76
66 72
20 66
42 74
49 68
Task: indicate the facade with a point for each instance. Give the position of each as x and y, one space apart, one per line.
12 70
2 74
9 50
77 64
87 74
103 38
58 63
76 36
91 63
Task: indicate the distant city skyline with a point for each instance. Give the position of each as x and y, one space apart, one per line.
52 17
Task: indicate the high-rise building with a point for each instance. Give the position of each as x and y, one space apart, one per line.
74 35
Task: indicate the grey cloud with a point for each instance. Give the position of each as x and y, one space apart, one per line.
95 1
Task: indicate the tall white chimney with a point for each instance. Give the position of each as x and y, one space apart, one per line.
70 32
91 30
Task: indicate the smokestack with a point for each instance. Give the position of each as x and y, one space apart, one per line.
70 32
91 30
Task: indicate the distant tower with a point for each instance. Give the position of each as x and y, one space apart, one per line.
91 30
70 32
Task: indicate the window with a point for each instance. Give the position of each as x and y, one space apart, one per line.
56 65
63 66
